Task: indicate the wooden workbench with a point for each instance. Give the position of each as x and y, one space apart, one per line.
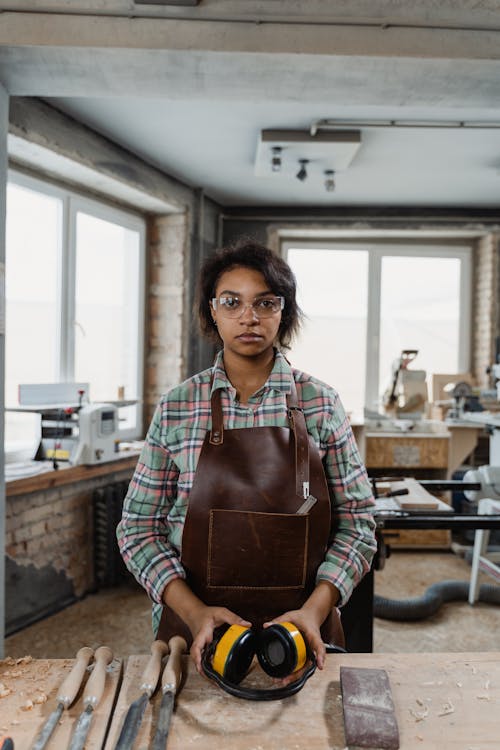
28 690
442 701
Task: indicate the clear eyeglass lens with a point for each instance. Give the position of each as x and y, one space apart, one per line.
263 307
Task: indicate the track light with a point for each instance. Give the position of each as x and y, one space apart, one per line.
302 173
276 159
329 181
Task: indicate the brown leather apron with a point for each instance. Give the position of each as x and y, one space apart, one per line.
250 542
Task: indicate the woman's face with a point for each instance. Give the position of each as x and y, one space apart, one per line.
248 334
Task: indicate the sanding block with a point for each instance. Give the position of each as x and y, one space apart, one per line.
369 718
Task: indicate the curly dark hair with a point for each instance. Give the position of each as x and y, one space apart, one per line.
275 270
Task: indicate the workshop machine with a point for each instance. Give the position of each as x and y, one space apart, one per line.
72 429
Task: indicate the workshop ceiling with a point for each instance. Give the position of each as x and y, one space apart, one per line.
190 88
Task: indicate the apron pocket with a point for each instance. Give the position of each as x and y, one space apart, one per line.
257 550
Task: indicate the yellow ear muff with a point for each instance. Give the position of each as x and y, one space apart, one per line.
281 649
234 653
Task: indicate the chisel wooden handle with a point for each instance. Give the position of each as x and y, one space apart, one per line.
95 684
172 673
152 669
71 685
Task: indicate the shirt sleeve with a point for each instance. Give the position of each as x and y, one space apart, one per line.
143 530
352 542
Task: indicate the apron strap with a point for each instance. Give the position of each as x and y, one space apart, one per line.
297 425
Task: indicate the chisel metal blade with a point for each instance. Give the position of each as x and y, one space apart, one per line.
48 728
81 729
132 723
164 719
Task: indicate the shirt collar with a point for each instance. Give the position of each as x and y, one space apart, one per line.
279 377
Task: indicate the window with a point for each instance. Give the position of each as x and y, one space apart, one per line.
365 303
74 300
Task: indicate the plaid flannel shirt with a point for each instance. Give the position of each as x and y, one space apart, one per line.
150 532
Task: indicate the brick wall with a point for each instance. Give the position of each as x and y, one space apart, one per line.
49 548
485 327
165 307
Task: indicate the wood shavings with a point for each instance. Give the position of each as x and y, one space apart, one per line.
24 660
40 698
419 715
432 682
4 690
27 705
448 708
483 697
459 684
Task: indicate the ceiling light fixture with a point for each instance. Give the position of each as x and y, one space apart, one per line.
334 150
302 173
166 2
339 125
329 181
276 159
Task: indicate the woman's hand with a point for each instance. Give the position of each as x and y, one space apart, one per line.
306 621
310 617
202 627
200 619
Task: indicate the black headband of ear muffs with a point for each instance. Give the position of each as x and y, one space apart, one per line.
280 649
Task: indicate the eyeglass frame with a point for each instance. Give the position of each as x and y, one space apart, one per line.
216 301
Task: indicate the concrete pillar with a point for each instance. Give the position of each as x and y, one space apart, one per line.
4 124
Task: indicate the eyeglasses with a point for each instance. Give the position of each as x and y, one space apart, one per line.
262 307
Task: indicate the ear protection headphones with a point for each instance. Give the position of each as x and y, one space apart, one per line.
280 649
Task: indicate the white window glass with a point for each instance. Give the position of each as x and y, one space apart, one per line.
333 293
74 303
420 309
367 302
107 310
33 247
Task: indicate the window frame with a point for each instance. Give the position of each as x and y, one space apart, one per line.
377 249
72 203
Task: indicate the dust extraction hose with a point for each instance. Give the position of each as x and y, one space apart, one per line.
427 604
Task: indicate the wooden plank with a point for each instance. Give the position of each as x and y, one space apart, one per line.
417 498
31 680
442 701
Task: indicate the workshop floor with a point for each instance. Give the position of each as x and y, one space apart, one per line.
120 617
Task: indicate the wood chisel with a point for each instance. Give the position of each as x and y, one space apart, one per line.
170 682
148 685
91 697
66 695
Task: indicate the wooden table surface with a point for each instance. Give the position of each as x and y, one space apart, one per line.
28 690
445 701
442 701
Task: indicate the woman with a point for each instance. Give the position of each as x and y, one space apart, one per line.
249 503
